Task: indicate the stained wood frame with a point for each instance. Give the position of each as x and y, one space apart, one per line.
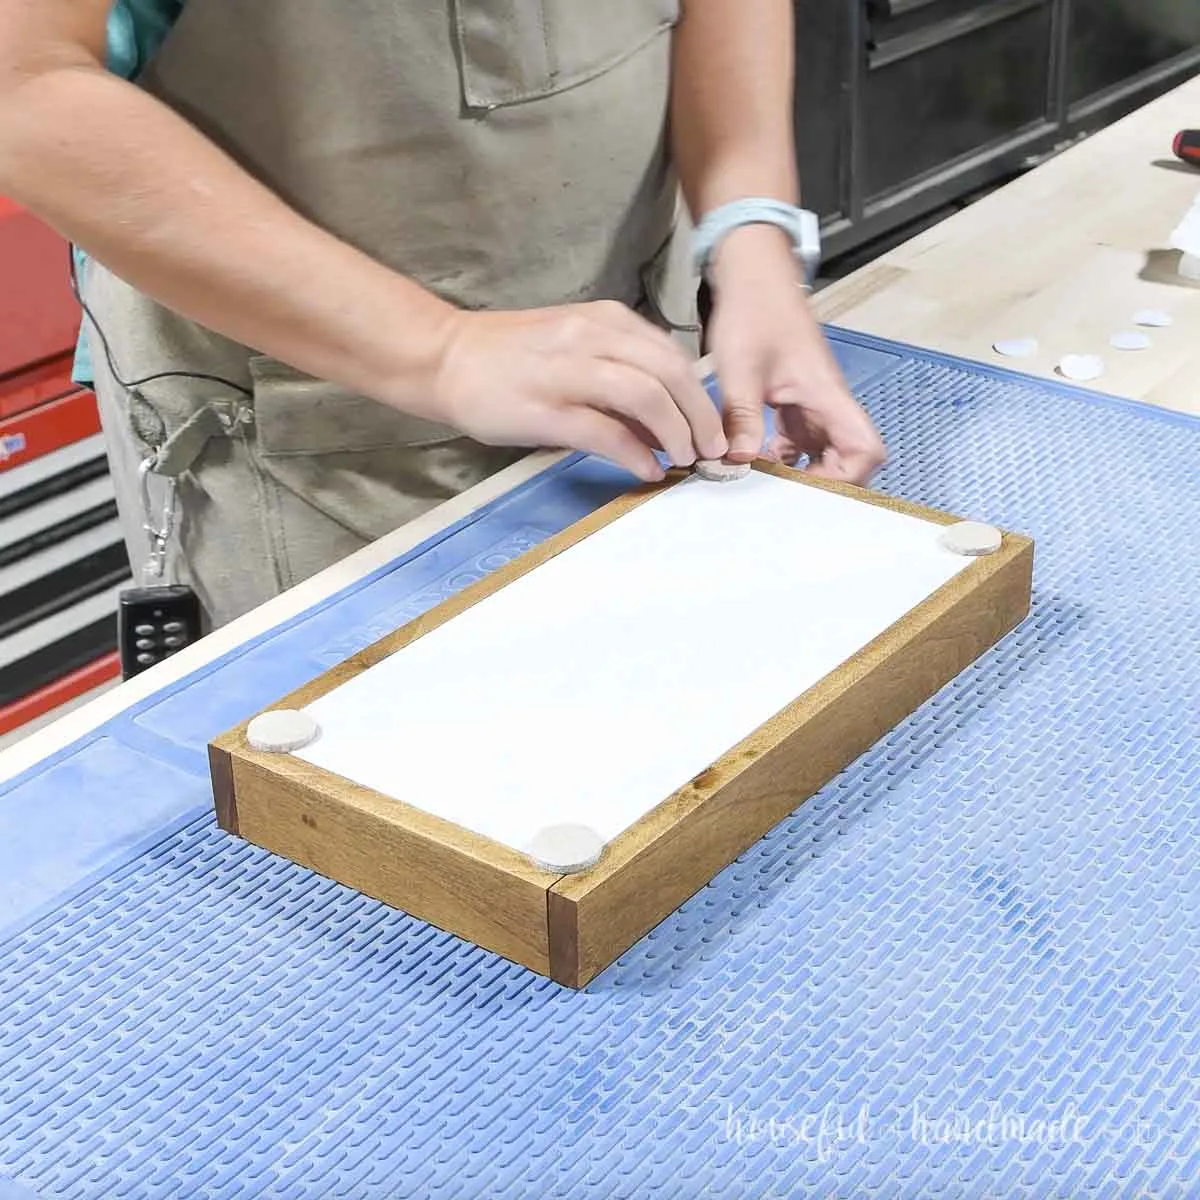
571 927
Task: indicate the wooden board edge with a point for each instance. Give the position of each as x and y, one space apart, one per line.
220 770
314 818
670 853
562 928
851 491
562 894
288 772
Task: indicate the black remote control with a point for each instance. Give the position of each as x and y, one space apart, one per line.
154 623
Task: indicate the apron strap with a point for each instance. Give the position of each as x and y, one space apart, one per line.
176 454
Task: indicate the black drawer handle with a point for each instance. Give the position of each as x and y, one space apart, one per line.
897 8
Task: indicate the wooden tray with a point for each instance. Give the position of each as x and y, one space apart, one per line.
570 927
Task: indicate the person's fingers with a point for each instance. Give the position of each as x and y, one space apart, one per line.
742 401
823 460
781 448
854 449
639 431
594 432
798 431
828 467
840 441
624 390
631 339
854 466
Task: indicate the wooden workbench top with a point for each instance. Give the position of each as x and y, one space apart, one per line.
1066 254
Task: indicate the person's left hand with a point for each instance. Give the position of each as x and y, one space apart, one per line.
768 350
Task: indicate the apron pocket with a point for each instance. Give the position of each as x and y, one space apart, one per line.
510 53
346 463
296 414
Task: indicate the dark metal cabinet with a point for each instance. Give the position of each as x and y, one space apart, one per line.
904 106
825 52
1114 41
942 92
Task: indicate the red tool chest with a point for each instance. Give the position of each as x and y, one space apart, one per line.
62 559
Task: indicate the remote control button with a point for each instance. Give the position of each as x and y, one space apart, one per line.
145 630
174 641
145 659
145 643
173 627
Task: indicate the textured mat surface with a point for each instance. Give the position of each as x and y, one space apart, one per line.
968 967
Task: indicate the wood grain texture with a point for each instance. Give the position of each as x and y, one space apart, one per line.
659 862
1067 253
220 770
437 871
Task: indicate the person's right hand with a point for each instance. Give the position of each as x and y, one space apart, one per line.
594 377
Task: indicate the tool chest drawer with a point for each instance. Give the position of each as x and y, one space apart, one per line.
62 556
39 320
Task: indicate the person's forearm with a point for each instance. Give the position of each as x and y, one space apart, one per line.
142 191
731 104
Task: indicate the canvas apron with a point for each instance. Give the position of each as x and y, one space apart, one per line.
503 153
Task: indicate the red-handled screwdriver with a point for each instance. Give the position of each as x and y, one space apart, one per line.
1187 146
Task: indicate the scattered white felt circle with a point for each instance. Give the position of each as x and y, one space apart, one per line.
1016 347
1153 317
566 848
1129 339
281 730
718 471
971 537
1081 367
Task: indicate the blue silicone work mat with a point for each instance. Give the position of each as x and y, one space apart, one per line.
967 967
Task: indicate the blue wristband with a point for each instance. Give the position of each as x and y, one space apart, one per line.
801 225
